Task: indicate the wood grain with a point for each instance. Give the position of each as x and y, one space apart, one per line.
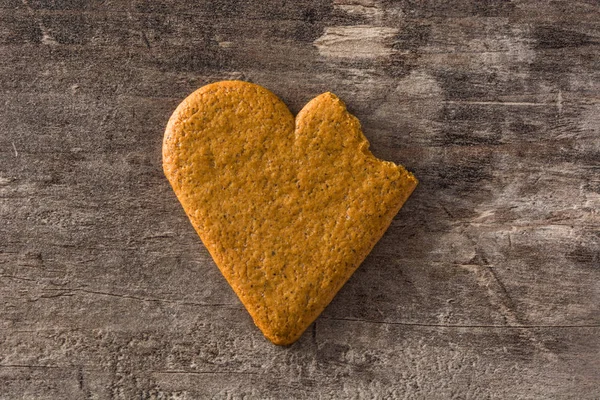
485 286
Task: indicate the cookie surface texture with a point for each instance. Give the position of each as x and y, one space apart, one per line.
287 207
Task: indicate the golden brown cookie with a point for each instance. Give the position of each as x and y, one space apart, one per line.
288 208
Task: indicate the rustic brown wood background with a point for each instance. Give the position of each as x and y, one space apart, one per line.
486 286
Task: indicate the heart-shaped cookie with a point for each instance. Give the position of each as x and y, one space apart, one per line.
287 207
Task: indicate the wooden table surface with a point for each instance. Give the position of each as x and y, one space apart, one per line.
485 286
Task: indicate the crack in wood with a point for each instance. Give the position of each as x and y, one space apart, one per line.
467 326
73 291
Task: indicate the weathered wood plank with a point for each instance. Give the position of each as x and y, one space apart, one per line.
485 286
